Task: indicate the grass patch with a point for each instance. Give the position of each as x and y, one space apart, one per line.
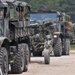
73 47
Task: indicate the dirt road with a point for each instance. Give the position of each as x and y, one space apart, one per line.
64 65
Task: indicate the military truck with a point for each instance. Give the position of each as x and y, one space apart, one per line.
14 49
59 29
61 35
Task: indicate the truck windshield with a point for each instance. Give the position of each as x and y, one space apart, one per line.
42 16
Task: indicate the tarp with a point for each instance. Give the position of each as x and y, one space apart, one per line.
22 3
68 25
7 0
13 2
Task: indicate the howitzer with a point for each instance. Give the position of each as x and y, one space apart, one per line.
41 40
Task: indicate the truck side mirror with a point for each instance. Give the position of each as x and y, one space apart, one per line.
19 9
6 12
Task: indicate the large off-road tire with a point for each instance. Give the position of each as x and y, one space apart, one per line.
46 57
18 66
27 57
3 61
66 49
58 48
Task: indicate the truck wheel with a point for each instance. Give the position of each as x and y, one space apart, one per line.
66 49
58 48
3 62
27 57
46 56
18 65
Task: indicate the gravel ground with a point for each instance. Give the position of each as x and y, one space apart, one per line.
64 65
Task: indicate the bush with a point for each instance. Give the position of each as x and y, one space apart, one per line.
73 47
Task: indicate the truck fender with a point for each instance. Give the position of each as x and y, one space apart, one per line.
4 42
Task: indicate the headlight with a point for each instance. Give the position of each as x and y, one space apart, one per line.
55 36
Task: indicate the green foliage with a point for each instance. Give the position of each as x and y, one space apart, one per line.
73 47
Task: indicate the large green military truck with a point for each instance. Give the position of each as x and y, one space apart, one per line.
59 29
14 49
